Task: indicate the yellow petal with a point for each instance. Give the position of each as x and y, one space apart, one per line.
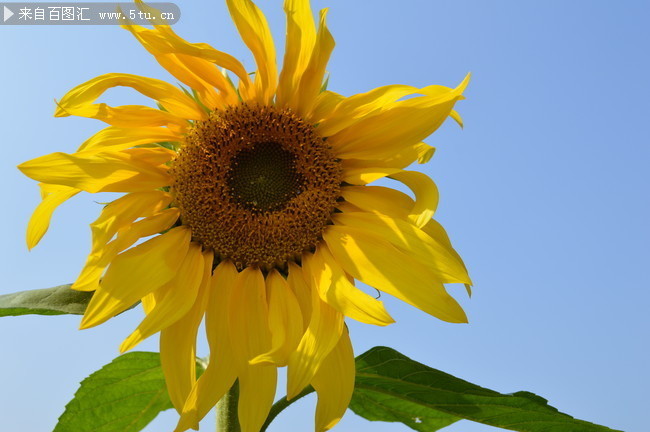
257 386
396 204
180 70
255 33
321 337
171 98
326 102
420 152
312 79
124 171
379 199
163 40
334 384
221 373
136 273
438 233
180 66
362 176
53 197
425 190
285 321
148 302
212 75
425 151
301 35
400 125
249 324
302 292
129 116
173 300
178 344
426 195
124 211
97 261
250 337
339 292
379 264
410 240
350 110
114 138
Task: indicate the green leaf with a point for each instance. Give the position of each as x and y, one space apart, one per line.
123 396
50 301
392 387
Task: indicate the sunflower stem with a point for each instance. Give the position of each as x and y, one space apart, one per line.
281 404
227 420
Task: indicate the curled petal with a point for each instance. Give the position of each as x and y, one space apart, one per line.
80 99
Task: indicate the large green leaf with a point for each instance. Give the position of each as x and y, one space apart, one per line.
392 387
49 301
123 396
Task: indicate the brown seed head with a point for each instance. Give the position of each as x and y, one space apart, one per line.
256 184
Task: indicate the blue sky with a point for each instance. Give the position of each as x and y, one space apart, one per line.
544 193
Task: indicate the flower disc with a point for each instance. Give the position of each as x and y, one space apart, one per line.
256 184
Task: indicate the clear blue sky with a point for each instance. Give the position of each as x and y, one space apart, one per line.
545 195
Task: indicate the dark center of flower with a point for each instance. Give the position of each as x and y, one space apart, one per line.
255 184
264 177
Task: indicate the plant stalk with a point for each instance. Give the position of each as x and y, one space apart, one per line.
227 420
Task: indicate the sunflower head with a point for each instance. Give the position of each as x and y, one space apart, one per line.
248 202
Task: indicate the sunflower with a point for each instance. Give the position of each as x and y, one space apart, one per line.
247 202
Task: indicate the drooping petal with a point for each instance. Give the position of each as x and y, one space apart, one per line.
178 344
334 384
52 197
221 372
312 79
339 292
400 125
409 240
302 291
123 171
285 321
321 336
173 300
376 262
250 336
136 273
255 33
80 99
96 263
257 386
124 211
301 36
